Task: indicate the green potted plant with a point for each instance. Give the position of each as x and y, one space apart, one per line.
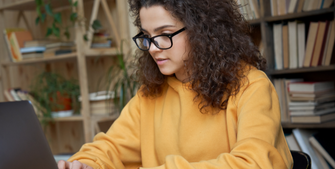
55 94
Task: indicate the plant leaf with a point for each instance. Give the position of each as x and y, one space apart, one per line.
49 32
73 16
75 4
43 17
55 30
48 9
96 25
85 37
38 2
67 34
38 11
58 17
37 20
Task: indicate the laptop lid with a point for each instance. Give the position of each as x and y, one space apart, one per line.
22 141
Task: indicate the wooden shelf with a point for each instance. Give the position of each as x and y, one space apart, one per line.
301 70
329 124
30 5
33 61
255 21
299 15
69 118
101 52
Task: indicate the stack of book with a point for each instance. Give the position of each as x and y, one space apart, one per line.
317 144
101 40
34 48
311 102
17 94
101 103
280 7
58 48
293 49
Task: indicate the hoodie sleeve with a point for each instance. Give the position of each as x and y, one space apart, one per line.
120 146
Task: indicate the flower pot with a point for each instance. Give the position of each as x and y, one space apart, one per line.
61 106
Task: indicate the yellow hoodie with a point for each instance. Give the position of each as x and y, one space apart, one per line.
169 132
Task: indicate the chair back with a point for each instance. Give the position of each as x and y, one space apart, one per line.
301 160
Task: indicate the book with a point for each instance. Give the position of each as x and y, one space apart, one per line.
300 6
8 96
330 44
301 44
314 107
322 160
322 98
14 95
278 45
102 45
32 55
293 44
327 3
286 56
54 53
12 47
307 5
311 95
314 118
308 103
281 4
22 37
38 49
310 87
324 43
292 143
293 6
312 5
274 10
318 43
38 43
312 112
325 145
58 44
302 136
311 38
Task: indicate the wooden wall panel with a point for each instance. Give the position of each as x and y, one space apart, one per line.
64 137
100 66
70 136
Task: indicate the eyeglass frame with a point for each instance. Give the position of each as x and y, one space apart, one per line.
151 40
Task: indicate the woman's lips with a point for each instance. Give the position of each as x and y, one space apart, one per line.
161 61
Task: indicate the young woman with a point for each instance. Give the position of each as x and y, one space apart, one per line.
204 101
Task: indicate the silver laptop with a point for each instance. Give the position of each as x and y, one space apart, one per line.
22 141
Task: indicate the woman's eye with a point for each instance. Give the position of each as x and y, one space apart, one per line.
165 33
145 36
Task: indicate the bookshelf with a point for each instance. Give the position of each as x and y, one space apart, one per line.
266 23
84 64
319 73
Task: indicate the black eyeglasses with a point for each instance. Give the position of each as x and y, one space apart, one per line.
161 41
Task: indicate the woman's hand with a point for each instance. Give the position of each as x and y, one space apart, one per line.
72 165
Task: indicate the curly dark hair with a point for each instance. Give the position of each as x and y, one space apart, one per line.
221 47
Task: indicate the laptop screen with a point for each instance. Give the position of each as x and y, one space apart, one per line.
22 141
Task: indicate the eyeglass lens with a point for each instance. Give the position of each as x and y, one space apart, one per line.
162 42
